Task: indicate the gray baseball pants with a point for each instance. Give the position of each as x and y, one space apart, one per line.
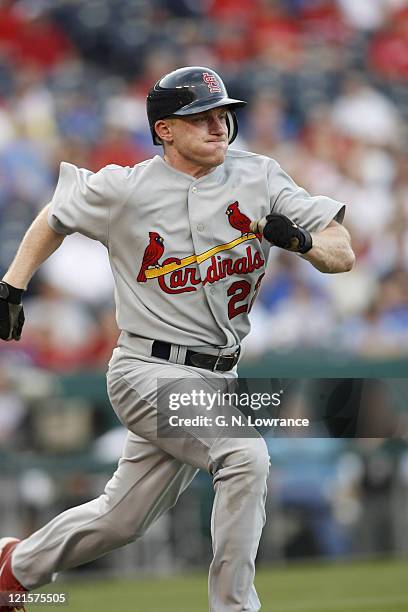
151 475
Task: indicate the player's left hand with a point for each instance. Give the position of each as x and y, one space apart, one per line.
11 312
282 232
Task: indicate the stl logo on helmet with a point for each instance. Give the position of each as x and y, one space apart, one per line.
212 83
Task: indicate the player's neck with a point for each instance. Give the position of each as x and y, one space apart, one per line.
186 166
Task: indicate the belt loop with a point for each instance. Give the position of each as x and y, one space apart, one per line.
174 349
181 357
216 363
178 354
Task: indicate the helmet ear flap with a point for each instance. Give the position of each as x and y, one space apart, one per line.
232 126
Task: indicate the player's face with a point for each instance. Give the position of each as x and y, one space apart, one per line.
199 142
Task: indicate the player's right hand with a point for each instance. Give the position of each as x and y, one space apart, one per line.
282 232
11 312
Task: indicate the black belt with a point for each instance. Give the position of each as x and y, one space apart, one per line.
216 363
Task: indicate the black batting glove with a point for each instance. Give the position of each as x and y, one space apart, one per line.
11 312
284 233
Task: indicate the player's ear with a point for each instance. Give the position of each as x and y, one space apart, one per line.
163 130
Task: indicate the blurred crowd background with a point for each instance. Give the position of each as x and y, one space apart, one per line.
327 85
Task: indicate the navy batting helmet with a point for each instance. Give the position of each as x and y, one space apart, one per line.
187 91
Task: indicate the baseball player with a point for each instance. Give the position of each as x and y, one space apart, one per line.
188 236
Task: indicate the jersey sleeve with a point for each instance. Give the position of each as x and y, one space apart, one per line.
313 213
82 200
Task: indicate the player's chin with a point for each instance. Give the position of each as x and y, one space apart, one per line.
216 152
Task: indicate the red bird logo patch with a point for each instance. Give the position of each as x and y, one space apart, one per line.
152 254
239 221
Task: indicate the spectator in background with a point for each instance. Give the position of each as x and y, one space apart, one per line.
94 286
31 39
266 126
359 108
382 329
12 410
388 52
115 147
59 340
376 534
368 15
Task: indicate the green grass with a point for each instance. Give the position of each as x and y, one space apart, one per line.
378 586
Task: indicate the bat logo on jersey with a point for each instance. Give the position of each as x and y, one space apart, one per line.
152 254
212 83
177 275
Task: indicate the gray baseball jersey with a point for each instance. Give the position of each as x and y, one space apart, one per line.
186 266
187 269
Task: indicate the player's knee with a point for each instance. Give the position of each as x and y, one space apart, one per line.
257 458
249 459
120 531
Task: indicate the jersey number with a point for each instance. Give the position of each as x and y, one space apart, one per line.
238 292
